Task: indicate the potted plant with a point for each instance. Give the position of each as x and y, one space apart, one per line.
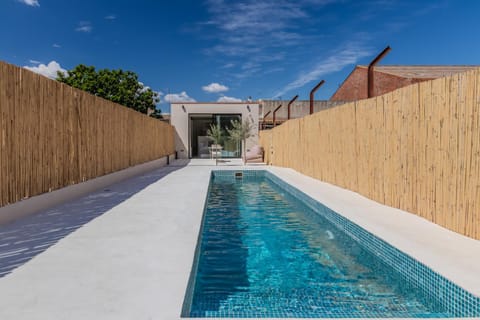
241 131
215 134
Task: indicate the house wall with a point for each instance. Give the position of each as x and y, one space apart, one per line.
355 87
180 120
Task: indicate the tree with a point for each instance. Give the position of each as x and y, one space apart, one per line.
241 131
118 86
215 133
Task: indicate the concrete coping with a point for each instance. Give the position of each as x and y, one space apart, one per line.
134 261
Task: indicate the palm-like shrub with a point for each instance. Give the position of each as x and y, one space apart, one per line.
215 133
241 131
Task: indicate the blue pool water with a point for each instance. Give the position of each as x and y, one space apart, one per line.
264 253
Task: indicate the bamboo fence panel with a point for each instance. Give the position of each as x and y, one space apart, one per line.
53 135
416 148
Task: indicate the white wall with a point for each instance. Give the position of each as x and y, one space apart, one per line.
180 120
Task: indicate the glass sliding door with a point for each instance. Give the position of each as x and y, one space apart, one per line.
200 144
231 149
199 141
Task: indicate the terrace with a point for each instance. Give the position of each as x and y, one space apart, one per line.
108 227
133 258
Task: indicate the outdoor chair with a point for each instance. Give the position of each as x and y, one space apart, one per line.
254 155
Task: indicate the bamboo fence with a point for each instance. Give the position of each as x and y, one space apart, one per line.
52 135
416 148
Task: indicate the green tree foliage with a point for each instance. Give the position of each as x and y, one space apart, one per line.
241 131
215 133
118 86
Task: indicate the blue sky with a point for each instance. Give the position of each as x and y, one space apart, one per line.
227 50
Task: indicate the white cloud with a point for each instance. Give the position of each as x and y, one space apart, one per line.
56 45
228 99
49 70
335 62
144 87
215 88
159 96
252 26
251 29
32 3
111 17
84 26
178 97
255 16
34 61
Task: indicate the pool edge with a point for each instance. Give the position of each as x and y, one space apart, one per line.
274 171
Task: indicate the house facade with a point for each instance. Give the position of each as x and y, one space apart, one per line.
192 120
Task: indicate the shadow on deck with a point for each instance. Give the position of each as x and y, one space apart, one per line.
27 237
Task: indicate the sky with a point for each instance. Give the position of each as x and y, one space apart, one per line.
219 50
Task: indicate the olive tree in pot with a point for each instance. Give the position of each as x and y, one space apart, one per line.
215 134
240 132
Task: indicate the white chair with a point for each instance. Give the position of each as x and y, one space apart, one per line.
215 151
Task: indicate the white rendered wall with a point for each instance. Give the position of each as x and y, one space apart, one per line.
180 120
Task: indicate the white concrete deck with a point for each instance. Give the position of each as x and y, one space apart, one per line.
133 262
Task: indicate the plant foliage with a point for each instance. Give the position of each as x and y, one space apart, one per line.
215 133
241 131
118 86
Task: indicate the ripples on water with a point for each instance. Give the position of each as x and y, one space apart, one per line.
265 254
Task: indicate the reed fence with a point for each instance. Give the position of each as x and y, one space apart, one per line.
52 135
416 148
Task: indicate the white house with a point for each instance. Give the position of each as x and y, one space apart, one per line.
192 120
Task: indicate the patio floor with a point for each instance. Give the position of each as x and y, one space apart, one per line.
126 252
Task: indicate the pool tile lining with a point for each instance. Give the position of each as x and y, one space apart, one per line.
453 298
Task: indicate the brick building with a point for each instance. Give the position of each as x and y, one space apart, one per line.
389 78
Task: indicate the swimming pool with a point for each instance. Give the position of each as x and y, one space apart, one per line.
266 249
